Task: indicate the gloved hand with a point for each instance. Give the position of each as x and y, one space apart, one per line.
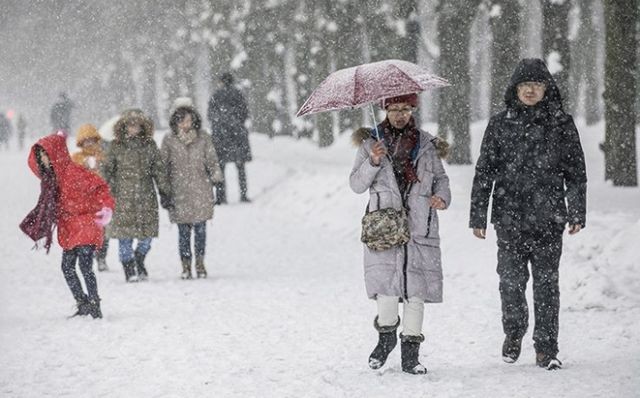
104 216
166 201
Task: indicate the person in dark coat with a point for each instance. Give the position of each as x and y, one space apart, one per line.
61 114
227 112
532 165
5 131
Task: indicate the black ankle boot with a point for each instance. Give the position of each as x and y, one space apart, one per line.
142 271
94 308
410 350
387 340
130 271
511 349
83 307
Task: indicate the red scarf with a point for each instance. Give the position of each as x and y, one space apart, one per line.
41 221
401 143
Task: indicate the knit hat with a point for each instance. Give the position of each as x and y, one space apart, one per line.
411 99
85 132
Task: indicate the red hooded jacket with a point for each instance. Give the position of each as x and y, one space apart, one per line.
81 194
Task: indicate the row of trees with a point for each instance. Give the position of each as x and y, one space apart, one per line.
281 49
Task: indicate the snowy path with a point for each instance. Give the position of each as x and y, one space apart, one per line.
284 313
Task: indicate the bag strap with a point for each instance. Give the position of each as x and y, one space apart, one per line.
378 204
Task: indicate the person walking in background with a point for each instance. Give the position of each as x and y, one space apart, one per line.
21 126
193 169
6 131
78 202
402 170
227 112
91 157
61 114
531 163
133 168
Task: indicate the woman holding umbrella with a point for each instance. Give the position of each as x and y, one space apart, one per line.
401 167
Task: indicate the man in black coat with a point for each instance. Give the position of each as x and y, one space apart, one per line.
532 165
227 112
61 114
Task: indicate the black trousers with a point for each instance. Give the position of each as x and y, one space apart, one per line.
199 238
84 256
221 187
543 251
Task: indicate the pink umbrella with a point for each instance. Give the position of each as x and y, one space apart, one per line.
365 84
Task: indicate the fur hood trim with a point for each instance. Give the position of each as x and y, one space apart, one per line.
363 133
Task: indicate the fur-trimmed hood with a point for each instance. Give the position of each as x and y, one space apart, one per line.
363 133
133 116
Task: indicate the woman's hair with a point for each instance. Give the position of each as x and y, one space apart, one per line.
179 115
39 151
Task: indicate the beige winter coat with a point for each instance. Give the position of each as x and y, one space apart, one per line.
192 168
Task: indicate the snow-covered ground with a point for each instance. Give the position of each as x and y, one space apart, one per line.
284 312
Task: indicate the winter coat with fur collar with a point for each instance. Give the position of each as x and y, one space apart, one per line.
415 269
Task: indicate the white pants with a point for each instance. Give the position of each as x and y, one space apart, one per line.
413 313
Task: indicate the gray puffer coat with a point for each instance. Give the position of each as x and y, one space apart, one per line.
415 269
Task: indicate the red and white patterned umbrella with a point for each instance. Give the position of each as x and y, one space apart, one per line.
365 84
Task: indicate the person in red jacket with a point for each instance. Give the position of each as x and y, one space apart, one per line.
79 203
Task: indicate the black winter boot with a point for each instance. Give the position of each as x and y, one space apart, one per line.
511 349
387 340
142 271
186 268
547 361
94 308
83 307
410 349
201 271
130 271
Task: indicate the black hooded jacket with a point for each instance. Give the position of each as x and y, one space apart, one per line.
532 161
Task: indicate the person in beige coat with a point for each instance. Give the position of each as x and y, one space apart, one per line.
192 168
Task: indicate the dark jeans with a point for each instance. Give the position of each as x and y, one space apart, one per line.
543 251
221 187
184 239
126 251
84 255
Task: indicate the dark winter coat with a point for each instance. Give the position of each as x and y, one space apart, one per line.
134 168
227 113
532 161
61 114
414 270
193 168
81 194
5 129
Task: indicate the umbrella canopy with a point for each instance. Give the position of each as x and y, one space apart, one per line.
364 84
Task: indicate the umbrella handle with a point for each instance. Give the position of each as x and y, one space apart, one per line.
375 124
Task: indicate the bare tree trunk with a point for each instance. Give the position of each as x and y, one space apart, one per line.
322 61
454 111
149 100
505 28
303 39
621 17
257 44
556 47
591 77
406 11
